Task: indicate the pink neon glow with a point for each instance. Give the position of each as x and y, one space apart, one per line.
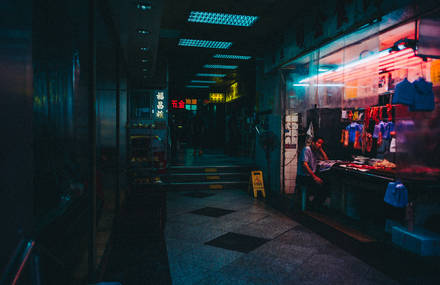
394 60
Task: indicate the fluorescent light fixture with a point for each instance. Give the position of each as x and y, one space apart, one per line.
144 5
144 49
203 81
321 84
145 70
143 31
221 19
232 56
211 74
204 43
196 86
220 66
144 60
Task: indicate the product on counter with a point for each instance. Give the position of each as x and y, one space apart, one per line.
384 164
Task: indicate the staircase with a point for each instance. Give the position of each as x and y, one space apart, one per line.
210 177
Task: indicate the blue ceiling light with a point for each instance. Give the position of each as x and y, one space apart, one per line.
220 66
144 49
144 60
144 5
203 81
232 56
143 31
221 19
211 74
204 44
196 86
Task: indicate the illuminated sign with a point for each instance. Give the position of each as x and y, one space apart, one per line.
233 93
178 104
217 97
160 107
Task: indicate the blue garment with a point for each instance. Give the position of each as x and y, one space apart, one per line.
352 129
309 156
396 195
404 93
387 128
424 100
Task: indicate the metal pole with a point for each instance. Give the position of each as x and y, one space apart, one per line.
118 111
92 142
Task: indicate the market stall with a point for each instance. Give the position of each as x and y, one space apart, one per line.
373 96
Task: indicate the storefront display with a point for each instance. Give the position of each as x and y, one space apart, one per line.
386 129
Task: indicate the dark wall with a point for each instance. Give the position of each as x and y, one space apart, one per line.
16 154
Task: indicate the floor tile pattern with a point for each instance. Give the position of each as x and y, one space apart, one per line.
291 253
237 242
212 212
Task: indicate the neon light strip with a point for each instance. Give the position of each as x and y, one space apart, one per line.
365 67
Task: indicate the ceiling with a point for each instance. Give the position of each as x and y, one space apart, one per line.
167 22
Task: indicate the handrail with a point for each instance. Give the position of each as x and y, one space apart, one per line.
12 260
30 245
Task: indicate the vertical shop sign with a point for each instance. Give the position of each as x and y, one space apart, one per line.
160 106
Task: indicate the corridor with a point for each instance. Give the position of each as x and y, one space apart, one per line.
228 237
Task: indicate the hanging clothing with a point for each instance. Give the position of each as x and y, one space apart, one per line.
404 93
424 100
352 129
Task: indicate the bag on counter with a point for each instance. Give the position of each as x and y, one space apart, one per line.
396 195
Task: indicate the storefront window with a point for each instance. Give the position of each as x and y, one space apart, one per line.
350 85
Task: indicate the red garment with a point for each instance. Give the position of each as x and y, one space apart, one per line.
357 144
390 112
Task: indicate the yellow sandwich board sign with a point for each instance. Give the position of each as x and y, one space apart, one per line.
257 182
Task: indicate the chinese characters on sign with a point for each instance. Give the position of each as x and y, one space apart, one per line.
217 97
178 104
188 104
160 107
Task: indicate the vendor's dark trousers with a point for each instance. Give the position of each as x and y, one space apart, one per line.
319 191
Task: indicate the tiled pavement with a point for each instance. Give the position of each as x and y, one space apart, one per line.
292 255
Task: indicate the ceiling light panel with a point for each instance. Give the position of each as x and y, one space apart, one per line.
203 81
204 44
220 66
210 74
221 19
232 56
196 86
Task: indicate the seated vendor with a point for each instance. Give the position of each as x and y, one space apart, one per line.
307 174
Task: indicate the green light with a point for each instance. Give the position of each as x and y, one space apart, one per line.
144 6
221 19
202 81
204 43
143 31
144 49
232 56
144 60
220 66
211 74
